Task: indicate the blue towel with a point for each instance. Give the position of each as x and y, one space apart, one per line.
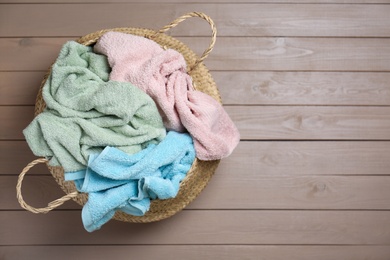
116 180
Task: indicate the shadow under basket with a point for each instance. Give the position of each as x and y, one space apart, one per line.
200 172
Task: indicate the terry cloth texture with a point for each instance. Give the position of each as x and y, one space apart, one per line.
162 75
119 181
87 112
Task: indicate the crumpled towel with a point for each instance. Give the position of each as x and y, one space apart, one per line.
86 112
162 74
118 181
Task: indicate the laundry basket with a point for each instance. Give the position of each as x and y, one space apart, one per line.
200 172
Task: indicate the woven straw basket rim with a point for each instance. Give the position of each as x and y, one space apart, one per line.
201 171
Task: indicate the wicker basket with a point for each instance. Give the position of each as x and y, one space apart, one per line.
201 171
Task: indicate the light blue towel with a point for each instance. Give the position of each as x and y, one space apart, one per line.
116 180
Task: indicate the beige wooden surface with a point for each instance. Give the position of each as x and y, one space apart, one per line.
308 85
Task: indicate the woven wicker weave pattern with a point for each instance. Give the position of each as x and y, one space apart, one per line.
201 171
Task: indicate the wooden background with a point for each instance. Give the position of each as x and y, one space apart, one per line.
308 85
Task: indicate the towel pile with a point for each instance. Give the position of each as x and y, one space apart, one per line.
126 124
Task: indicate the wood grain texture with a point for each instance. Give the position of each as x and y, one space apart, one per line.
308 158
303 88
244 191
231 19
250 88
266 123
298 54
37 191
306 82
196 252
203 1
233 53
14 119
15 155
30 53
267 158
203 227
312 123
19 88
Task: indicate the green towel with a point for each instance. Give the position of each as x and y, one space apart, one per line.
86 112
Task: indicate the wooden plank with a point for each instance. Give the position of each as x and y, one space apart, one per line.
250 88
203 227
19 88
303 88
311 123
241 191
266 122
265 158
254 191
308 158
13 120
233 53
35 53
231 19
196 252
38 191
15 155
201 1
297 54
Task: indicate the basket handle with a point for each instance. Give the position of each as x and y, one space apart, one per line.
52 205
180 19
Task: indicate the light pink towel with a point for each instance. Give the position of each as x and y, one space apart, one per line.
162 75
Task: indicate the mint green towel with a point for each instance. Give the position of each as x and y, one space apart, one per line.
86 112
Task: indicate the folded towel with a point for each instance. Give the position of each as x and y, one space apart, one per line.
86 112
162 75
119 181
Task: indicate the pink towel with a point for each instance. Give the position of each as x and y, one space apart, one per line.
162 75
